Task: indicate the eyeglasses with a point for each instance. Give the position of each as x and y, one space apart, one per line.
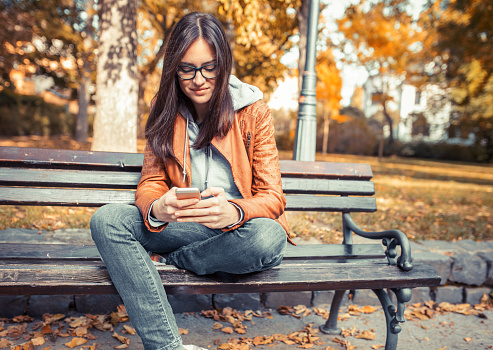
208 71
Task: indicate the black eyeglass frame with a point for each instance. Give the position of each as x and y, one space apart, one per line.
199 69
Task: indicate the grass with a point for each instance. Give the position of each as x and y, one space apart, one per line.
425 199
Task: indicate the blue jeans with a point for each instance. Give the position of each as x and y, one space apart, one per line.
124 242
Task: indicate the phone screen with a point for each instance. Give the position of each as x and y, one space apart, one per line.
187 193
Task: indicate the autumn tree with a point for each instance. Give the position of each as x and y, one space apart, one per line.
260 33
329 85
115 124
382 37
15 37
55 38
461 46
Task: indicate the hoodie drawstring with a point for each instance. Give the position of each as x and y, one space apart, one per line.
185 153
208 158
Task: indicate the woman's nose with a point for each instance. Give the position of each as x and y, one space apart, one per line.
199 78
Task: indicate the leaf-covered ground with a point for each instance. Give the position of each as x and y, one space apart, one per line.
230 329
425 199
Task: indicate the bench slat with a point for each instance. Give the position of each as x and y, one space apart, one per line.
92 278
68 178
52 158
95 198
14 251
39 157
117 180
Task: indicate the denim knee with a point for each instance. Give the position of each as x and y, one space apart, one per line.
119 216
266 241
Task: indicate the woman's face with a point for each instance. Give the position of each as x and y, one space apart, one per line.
198 89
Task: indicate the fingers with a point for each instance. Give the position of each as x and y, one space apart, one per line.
213 191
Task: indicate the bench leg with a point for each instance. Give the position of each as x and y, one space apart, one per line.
393 316
330 327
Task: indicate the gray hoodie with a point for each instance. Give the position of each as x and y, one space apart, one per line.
209 167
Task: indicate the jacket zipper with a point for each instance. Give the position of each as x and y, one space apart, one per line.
249 137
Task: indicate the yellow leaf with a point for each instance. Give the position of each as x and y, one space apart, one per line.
368 309
467 339
76 342
228 330
38 341
366 335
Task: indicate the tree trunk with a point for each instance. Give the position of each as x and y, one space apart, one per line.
117 85
230 34
83 96
390 122
303 14
326 129
380 146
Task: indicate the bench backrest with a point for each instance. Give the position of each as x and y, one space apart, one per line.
33 176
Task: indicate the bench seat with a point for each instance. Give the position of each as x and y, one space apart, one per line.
46 177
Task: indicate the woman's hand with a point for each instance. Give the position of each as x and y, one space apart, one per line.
165 208
214 212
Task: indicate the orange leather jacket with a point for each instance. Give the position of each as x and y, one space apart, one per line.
251 151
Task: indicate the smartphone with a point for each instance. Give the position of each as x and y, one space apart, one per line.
187 193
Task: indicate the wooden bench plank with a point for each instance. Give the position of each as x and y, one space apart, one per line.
118 180
92 278
326 170
27 177
327 187
95 198
53 158
10 252
64 197
57 158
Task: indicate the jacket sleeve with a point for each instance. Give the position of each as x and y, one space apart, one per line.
154 183
268 200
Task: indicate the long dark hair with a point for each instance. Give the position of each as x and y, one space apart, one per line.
218 121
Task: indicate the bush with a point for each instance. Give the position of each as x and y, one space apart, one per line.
351 137
443 151
31 115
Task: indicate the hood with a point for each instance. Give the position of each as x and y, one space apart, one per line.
243 94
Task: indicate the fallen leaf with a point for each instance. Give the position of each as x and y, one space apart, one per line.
38 341
368 309
121 338
228 330
217 325
49 318
366 335
80 331
28 346
76 342
5 343
132 331
467 339
121 346
181 331
376 347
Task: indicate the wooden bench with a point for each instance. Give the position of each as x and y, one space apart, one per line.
51 177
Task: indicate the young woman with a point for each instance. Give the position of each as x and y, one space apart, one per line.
207 130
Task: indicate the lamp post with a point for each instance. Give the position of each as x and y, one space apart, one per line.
306 130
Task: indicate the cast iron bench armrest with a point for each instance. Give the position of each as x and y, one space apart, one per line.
391 238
